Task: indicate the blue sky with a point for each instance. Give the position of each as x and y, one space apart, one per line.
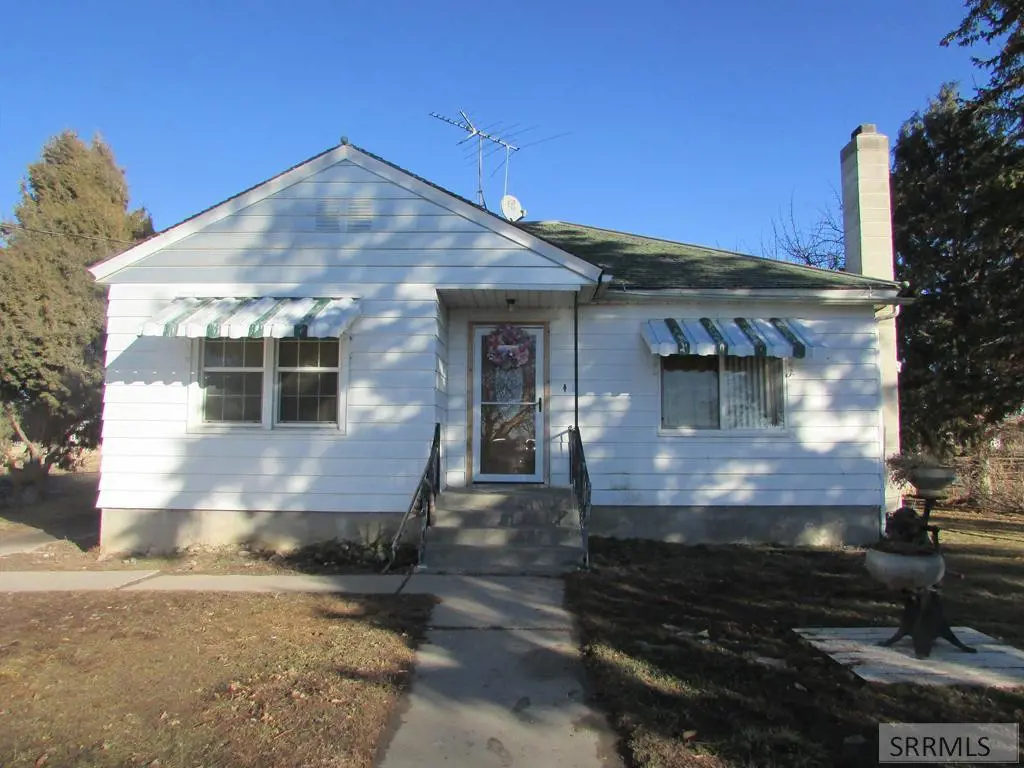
691 121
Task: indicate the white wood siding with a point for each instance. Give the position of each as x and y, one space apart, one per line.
307 239
301 236
153 459
407 367
829 453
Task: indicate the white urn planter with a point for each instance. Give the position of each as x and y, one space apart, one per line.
898 571
931 482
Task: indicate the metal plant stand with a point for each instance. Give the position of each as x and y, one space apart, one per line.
924 619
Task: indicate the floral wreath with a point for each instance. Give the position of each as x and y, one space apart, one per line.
508 347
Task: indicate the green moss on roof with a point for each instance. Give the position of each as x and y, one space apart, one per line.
649 263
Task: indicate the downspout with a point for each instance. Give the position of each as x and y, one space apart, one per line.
576 359
576 345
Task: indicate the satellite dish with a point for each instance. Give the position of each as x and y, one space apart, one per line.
512 209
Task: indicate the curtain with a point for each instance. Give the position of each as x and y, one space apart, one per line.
689 392
752 393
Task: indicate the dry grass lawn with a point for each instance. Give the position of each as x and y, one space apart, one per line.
190 680
690 649
324 559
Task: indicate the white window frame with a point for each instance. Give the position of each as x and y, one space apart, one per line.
722 433
201 369
335 425
269 423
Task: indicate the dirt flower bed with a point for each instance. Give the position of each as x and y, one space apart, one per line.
690 651
174 680
325 558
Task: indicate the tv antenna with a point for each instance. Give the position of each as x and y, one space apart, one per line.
481 136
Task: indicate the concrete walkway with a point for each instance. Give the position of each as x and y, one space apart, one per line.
69 581
25 542
498 682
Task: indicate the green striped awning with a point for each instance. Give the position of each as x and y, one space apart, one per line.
254 318
740 336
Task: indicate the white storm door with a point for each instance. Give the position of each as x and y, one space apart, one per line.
508 405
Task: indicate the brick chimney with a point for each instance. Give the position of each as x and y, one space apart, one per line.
867 230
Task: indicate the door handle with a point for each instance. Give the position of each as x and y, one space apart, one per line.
540 405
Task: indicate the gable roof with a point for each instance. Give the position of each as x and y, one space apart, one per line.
634 261
320 162
649 263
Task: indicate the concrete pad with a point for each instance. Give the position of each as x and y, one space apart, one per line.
499 698
25 542
482 602
198 582
995 665
68 581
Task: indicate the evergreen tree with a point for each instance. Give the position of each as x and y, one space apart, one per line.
999 23
73 213
958 229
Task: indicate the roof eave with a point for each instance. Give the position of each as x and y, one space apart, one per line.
831 296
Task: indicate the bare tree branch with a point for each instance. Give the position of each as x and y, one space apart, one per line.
820 244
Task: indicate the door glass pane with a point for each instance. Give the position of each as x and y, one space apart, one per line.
508 439
509 370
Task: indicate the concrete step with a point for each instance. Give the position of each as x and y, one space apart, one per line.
466 558
505 495
520 518
504 506
483 536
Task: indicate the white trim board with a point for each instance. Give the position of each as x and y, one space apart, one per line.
321 162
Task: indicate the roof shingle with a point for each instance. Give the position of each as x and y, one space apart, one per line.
648 263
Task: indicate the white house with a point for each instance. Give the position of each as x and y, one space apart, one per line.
276 366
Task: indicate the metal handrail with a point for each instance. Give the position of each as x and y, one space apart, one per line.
424 501
579 479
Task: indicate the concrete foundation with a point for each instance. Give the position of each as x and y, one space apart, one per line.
791 526
168 530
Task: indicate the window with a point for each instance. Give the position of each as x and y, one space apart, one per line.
232 381
257 382
307 381
722 393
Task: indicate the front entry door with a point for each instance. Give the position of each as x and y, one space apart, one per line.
508 405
